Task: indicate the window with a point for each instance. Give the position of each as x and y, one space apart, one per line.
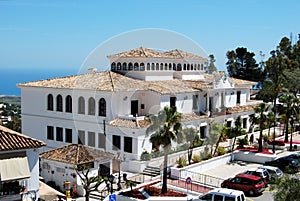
50 102
116 142
91 139
81 105
245 123
207 197
81 137
202 132
101 141
218 197
59 134
69 104
68 133
59 103
228 123
172 101
128 144
113 66
238 97
195 102
102 107
91 110
50 133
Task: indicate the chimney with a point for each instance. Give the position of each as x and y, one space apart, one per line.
92 70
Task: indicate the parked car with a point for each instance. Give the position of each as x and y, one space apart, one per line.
249 184
274 172
259 172
295 155
222 194
286 164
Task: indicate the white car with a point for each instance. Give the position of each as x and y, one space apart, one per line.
260 172
274 172
222 194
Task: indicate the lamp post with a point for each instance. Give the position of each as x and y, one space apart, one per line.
111 180
119 159
291 140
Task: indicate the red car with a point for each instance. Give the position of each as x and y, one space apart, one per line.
249 184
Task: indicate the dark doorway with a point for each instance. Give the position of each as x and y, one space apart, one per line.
134 107
172 101
104 169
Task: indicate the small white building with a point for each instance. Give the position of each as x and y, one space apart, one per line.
58 165
106 110
19 165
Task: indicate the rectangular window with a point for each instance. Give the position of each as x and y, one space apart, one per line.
195 102
101 141
228 123
91 139
128 144
202 132
238 97
81 137
245 123
172 101
50 133
116 142
59 134
68 133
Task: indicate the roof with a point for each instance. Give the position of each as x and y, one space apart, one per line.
142 52
12 140
76 154
128 123
248 176
241 108
112 81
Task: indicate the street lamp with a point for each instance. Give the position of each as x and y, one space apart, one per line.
119 159
291 140
111 180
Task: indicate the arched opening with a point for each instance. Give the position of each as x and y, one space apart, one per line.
136 66
166 66
113 66
153 66
81 105
102 107
130 66
157 66
170 66
188 66
69 104
118 66
202 67
148 66
192 67
124 66
184 66
59 103
91 106
179 67
142 66
50 102
174 67
161 66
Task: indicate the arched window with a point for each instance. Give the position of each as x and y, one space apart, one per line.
192 66
153 66
91 106
198 67
69 104
161 66
136 66
81 105
118 66
148 66
124 66
202 68
157 66
50 102
188 67
113 66
174 67
102 107
142 66
59 103
170 66
184 66
166 66
130 66
179 68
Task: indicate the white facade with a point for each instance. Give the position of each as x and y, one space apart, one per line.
210 100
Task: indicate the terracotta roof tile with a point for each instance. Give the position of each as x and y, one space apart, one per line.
241 108
130 123
76 154
12 140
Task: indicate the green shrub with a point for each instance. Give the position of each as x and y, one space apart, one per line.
145 156
205 155
181 162
221 151
242 142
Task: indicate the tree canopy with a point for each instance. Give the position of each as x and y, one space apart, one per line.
211 67
241 64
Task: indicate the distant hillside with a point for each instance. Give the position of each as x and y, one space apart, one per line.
10 99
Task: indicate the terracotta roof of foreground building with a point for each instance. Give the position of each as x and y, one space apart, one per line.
143 52
12 140
76 154
128 123
241 108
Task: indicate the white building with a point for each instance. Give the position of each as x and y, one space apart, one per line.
58 165
19 165
106 110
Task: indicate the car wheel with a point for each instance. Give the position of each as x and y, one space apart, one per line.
251 192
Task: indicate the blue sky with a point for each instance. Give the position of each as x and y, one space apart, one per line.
60 34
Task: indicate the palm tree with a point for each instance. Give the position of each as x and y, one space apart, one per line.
260 118
270 121
237 130
288 110
164 130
